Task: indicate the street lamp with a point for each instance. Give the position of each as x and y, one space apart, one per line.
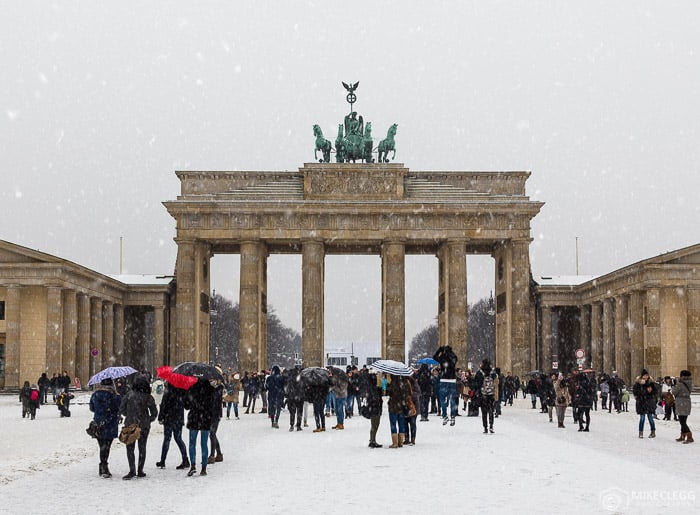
491 311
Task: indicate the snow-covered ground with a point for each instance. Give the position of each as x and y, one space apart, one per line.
49 465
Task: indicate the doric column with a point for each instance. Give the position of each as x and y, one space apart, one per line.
652 332
54 328
252 351
585 332
597 336
82 348
694 330
674 330
393 300
12 336
636 333
452 298
185 343
545 361
622 348
158 336
312 293
70 333
118 339
95 337
520 302
107 350
608 335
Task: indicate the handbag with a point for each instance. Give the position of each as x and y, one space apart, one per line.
93 429
129 434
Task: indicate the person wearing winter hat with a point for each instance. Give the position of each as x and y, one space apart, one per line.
681 391
644 391
34 401
105 403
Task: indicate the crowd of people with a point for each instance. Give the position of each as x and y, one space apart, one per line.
436 389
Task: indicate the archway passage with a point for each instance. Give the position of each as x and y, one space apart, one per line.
381 209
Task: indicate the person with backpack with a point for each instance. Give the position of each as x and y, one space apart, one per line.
34 401
486 383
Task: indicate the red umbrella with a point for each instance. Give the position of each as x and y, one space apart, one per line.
177 380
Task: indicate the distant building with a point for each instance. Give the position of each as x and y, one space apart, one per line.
645 315
57 315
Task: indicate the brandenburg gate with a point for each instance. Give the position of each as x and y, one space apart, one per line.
354 208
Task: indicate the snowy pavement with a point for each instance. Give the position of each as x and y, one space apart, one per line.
49 465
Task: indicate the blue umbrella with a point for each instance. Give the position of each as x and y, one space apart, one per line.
392 367
427 361
111 373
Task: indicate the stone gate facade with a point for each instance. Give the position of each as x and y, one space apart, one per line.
382 209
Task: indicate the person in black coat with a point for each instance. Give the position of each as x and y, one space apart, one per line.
294 393
275 395
425 382
645 393
138 407
584 400
447 359
215 454
172 416
104 403
373 411
198 401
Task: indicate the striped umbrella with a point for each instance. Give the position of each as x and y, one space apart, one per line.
392 367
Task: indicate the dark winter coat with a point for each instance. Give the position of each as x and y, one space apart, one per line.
105 403
397 390
531 387
550 396
448 362
199 401
172 410
425 380
374 401
645 396
138 406
293 387
217 403
682 393
583 394
275 386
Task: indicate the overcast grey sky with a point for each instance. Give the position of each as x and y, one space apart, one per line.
102 101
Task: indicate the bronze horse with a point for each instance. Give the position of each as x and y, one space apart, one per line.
322 144
386 145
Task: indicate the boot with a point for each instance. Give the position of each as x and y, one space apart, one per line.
413 441
160 464
339 426
204 471
185 464
652 434
211 460
105 472
682 437
406 440
641 434
534 404
401 438
219 458
102 469
689 437
394 441
192 471
129 476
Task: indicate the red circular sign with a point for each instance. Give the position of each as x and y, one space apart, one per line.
94 352
580 353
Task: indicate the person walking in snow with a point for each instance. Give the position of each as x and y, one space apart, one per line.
447 359
486 383
233 390
681 391
374 411
215 454
199 401
105 403
397 390
562 398
138 407
274 384
172 416
645 391
583 397
34 401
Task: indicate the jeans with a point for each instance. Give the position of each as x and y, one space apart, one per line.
397 423
350 404
228 409
319 414
448 394
330 402
487 403
411 427
340 409
176 433
650 416
204 444
424 404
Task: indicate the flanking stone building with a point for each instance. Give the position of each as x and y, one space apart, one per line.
57 315
645 315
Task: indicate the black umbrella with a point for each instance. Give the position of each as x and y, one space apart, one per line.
314 376
338 375
199 370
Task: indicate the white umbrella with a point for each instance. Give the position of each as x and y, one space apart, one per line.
392 367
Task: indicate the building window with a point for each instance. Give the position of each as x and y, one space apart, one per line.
337 362
2 360
2 310
372 360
